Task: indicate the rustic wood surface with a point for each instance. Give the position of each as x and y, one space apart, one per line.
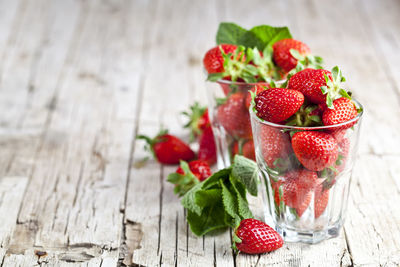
79 79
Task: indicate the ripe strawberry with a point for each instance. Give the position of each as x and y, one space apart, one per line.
198 119
274 145
234 116
256 89
256 237
278 104
213 60
246 149
309 82
199 168
207 147
321 199
315 150
282 56
344 110
297 189
168 149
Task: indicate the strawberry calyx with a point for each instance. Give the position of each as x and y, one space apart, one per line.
248 65
197 121
305 117
150 142
332 90
183 182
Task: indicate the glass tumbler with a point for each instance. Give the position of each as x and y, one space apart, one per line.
305 175
228 108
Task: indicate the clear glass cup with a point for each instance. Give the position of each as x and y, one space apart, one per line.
228 109
305 204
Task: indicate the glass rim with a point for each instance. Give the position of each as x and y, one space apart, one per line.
244 83
305 128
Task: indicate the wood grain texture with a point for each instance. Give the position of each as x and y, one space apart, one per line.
79 80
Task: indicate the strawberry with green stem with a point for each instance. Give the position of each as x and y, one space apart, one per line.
319 86
255 237
167 149
343 110
188 175
283 53
198 120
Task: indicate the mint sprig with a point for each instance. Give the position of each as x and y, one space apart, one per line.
259 36
220 201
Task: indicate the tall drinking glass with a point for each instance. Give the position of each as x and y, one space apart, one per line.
305 176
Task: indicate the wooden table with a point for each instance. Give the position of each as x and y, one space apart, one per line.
80 79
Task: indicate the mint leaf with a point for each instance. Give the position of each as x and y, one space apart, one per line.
245 170
189 200
264 35
230 204
209 197
211 219
243 205
214 179
229 33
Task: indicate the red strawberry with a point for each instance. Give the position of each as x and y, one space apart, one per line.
297 189
246 150
344 147
168 149
321 198
274 145
309 82
282 56
234 116
213 60
315 150
256 89
257 237
275 187
344 110
207 148
198 119
278 104
199 168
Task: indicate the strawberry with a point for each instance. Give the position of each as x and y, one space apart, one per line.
275 145
246 149
309 82
207 147
275 187
315 150
256 90
344 110
282 55
319 86
188 175
234 116
168 149
256 237
198 120
199 168
321 199
297 189
278 104
213 60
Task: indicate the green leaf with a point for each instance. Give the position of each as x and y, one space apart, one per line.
214 179
213 77
324 89
230 204
208 197
296 54
329 101
245 170
189 200
174 177
229 33
343 93
212 218
264 35
243 205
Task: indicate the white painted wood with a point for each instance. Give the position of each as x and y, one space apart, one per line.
79 80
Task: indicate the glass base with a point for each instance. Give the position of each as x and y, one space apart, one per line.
308 237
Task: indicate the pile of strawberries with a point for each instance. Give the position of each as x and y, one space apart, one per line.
303 162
